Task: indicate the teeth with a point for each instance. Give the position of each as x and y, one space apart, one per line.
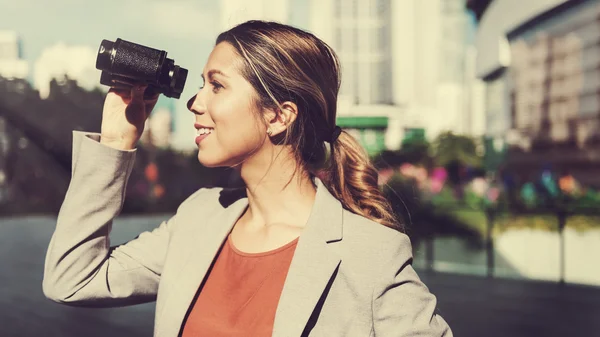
203 131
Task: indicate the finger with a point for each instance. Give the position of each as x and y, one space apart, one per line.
122 92
137 93
151 94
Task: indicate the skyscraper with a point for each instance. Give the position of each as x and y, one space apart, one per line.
11 63
416 35
403 60
10 45
459 90
361 33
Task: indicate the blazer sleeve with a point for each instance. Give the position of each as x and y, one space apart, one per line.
80 267
402 304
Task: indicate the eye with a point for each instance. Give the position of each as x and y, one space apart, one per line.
216 86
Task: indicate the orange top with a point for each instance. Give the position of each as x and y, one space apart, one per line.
241 293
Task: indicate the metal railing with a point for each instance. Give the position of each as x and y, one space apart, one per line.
491 217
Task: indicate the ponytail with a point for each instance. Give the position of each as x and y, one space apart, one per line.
283 63
352 179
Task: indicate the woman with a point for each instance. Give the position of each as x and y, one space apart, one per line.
293 255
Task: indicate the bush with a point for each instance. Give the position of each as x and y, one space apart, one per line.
423 219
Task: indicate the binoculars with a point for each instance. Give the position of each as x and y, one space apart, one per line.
124 64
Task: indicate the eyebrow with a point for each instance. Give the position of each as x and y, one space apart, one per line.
213 72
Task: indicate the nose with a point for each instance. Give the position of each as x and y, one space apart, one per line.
195 106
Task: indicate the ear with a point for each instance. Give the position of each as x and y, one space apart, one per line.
278 121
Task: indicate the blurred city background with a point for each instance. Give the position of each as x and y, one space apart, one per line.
482 116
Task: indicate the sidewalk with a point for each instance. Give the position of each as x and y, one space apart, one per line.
477 306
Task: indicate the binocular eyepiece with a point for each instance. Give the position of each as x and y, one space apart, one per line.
124 64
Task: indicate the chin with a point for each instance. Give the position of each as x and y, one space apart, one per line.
209 161
206 161
222 158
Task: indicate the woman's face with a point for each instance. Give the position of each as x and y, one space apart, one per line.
228 130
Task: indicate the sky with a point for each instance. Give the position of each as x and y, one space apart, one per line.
186 29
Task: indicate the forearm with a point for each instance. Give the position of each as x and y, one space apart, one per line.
80 243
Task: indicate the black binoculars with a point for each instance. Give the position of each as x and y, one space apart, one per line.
124 64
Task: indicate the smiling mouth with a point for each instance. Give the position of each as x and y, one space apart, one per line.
202 133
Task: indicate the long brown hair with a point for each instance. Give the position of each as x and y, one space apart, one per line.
284 63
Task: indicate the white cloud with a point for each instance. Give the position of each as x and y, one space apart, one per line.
77 62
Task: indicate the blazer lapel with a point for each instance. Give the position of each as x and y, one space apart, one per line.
204 244
312 266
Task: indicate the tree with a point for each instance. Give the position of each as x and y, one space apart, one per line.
448 148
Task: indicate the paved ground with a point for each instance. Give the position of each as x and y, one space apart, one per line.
473 306
476 306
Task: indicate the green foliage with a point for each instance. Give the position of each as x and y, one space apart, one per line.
448 148
588 199
417 153
422 218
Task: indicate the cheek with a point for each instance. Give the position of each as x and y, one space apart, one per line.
226 108
235 122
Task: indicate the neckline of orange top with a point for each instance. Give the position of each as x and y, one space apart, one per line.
261 254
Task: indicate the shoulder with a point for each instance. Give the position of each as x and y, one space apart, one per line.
372 242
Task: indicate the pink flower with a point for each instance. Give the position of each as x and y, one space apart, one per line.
407 170
435 186
420 174
439 173
384 176
479 186
493 193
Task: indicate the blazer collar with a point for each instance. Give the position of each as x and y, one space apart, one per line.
310 273
201 249
326 216
313 267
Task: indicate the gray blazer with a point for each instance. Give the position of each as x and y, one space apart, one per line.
349 276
